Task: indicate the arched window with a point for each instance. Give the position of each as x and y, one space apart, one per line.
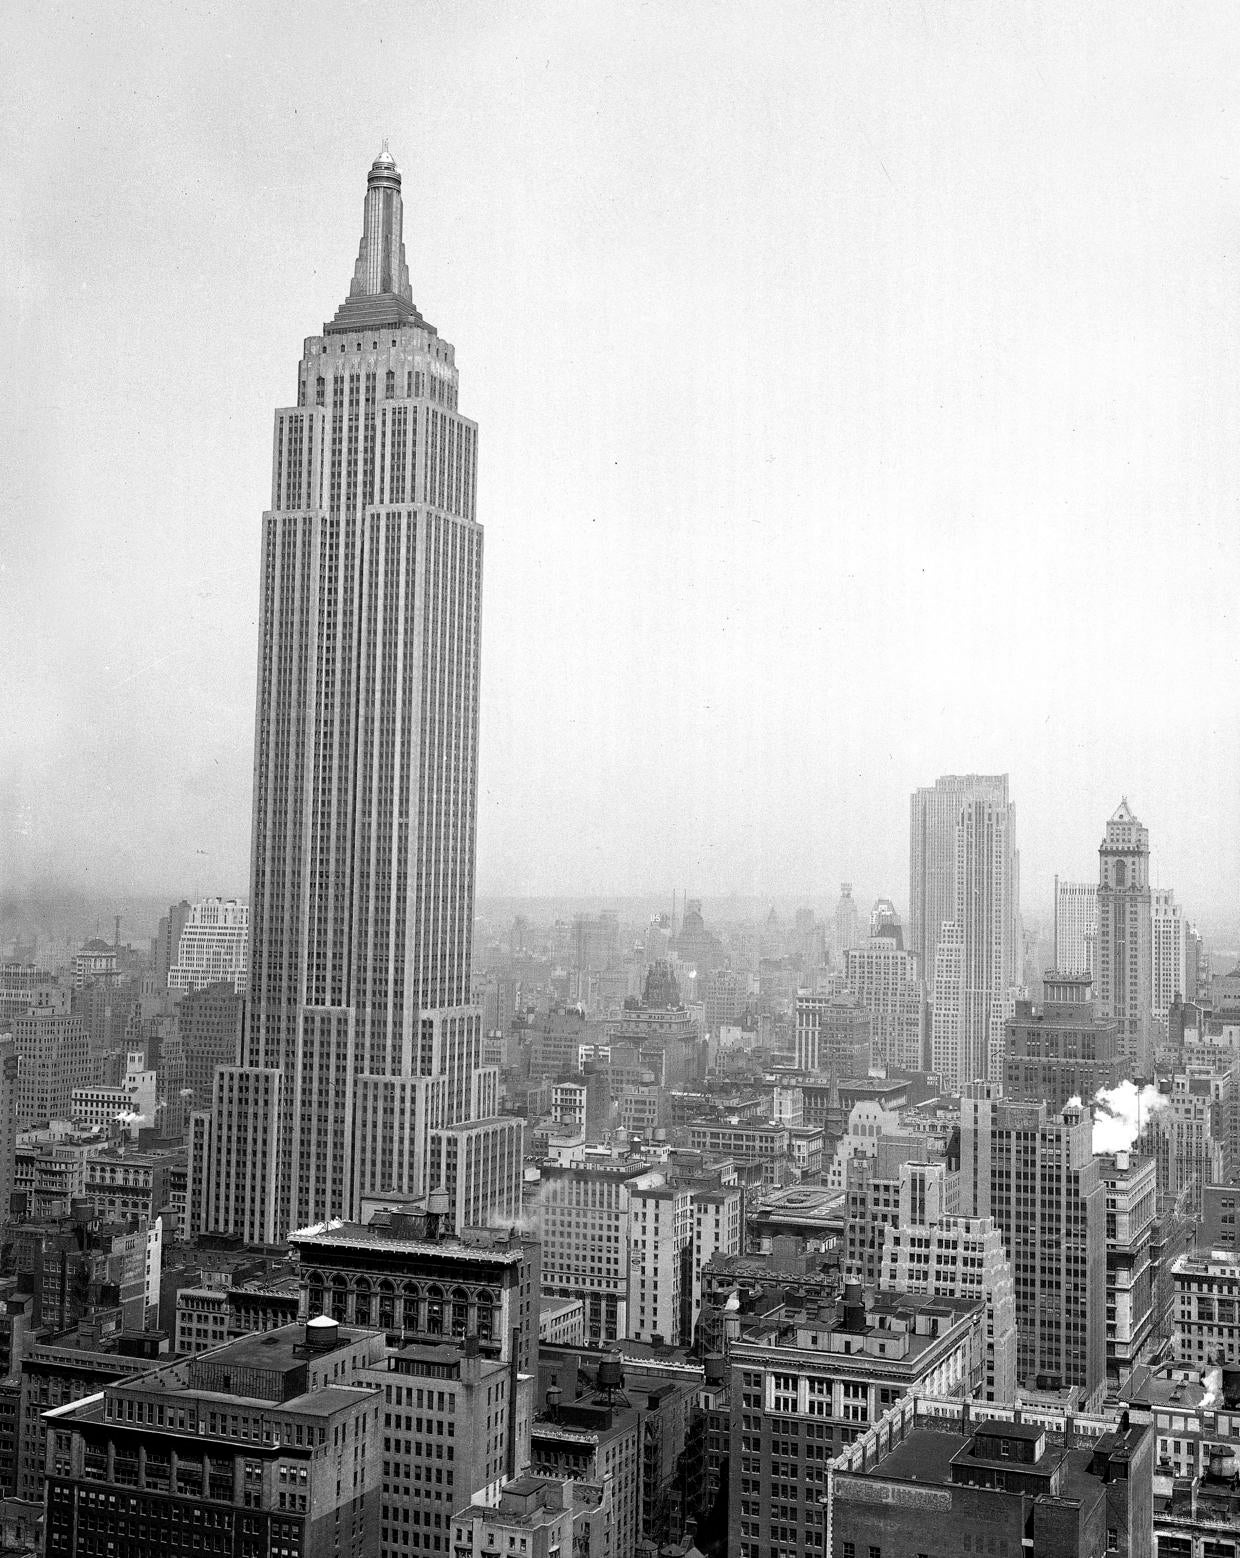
434 1309
460 1311
313 1283
339 1298
361 1302
486 1315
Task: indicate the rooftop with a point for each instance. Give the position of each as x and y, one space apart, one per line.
373 1237
927 1456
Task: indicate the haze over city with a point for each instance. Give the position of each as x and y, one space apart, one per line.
617 817
857 399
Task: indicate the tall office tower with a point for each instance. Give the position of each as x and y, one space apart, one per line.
885 981
846 924
1131 1186
213 945
1035 1173
935 817
988 913
1076 924
925 1250
1168 954
365 768
947 1009
1123 986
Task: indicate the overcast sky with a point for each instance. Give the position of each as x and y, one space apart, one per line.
858 395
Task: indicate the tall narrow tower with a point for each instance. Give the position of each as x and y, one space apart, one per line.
359 1037
1124 952
964 879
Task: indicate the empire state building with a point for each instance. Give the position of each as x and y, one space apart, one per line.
360 1047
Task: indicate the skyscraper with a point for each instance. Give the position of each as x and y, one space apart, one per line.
934 816
1035 1173
1076 926
964 883
1168 954
360 1037
1123 986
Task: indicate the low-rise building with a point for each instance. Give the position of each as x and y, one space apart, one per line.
267 1444
942 1478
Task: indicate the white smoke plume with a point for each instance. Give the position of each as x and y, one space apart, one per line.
1121 1112
1212 1379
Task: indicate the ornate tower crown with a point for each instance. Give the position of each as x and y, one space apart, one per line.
380 294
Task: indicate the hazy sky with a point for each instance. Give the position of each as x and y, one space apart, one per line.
858 389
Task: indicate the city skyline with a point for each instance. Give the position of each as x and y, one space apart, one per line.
896 296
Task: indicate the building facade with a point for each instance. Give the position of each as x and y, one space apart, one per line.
884 979
1057 1049
1076 925
1168 954
1035 1173
213 946
267 1444
801 1394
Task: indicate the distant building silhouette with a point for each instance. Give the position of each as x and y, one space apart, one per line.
1123 988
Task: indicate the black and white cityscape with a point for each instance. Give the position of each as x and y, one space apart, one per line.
626 948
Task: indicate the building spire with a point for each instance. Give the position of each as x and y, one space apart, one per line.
380 292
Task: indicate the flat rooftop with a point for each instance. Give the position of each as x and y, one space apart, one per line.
365 1236
927 1454
1173 1389
272 1351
